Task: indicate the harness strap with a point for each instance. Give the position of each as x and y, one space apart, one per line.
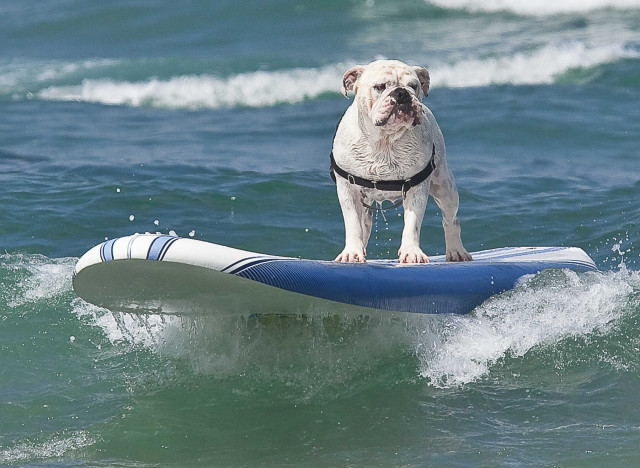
388 185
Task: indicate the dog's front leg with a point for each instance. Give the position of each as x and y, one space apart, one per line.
414 205
355 225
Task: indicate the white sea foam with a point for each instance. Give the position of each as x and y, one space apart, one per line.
256 89
20 75
46 279
268 88
139 330
539 66
29 451
537 7
564 306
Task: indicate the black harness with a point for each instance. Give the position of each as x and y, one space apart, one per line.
399 185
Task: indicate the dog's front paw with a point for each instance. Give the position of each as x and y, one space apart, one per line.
351 255
412 255
458 255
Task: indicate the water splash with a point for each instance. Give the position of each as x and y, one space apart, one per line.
56 447
40 278
551 307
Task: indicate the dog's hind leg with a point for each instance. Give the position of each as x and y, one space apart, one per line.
445 193
367 223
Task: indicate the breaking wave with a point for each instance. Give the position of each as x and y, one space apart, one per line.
552 307
92 82
541 66
256 89
536 7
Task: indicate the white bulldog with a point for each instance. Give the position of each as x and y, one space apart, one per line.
388 146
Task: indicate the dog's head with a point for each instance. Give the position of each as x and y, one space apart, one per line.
388 92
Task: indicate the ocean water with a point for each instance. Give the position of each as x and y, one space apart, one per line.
214 120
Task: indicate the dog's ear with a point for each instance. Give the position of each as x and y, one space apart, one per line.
425 80
349 79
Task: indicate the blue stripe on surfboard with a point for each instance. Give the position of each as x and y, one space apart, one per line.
240 269
106 251
166 248
158 247
226 269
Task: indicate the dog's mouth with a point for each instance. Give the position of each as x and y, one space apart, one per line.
400 114
403 113
397 108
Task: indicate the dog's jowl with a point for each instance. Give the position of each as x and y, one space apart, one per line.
388 146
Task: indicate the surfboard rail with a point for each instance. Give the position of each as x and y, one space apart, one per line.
155 273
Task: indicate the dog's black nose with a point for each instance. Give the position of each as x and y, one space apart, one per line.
401 95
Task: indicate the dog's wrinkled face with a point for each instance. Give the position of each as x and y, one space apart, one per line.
389 92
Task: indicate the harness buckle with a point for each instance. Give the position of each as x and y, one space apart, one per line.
351 179
405 188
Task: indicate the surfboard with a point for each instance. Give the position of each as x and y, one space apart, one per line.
151 273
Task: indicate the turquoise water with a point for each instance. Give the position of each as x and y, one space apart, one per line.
215 120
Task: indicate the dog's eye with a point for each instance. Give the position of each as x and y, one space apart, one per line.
380 87
414 86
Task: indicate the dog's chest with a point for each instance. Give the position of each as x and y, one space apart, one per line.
387 161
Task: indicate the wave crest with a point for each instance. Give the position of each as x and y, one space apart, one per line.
541 66
256 89
536 7
291 86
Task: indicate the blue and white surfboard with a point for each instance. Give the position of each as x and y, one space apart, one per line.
166 274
